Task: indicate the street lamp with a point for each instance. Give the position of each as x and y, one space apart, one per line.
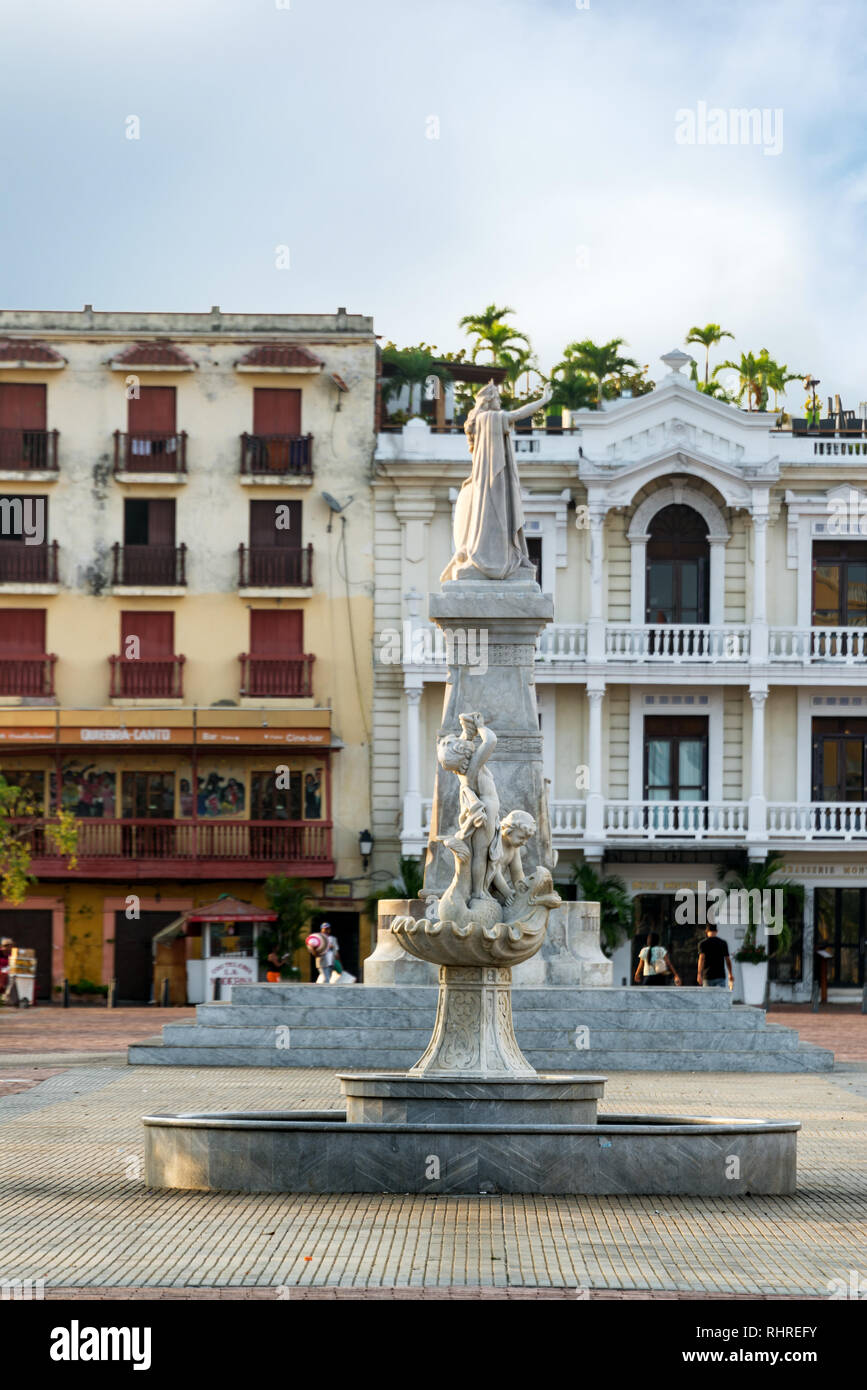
365 845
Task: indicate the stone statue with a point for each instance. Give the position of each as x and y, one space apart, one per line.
489 516
490 917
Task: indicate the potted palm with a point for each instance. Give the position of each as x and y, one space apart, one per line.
755 879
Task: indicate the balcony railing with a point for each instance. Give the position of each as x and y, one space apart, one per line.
846 645
275 567
283 843
26 674
677 642
272 676
150 452
28 451
164 565
692 820
278 455
160 678
819 820
28 564
563 642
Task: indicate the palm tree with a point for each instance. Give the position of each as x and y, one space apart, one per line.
493 334
614 901
708 337
289 898
753 876
573 388
599 361
776 377
750 379
712 388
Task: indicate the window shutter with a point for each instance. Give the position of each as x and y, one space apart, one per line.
155 631
22 631
276 411
22 407
264 531
276 632
153 412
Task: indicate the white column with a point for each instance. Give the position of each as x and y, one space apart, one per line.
717 584
594 825
759 627
638 580
596 623
412 826
758 809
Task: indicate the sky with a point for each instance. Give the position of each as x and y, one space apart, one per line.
420 160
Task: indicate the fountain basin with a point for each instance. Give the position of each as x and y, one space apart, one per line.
320 1152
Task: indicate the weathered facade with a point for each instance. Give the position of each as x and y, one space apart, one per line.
185 620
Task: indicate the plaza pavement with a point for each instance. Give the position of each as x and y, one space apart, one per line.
75 1211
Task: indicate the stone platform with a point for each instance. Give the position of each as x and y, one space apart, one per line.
388 1029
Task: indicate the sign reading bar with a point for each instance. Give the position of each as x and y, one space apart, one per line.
305 737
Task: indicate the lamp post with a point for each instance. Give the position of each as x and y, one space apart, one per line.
365 845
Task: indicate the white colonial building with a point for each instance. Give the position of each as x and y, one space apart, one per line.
702 688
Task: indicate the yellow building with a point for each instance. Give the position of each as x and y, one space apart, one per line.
186 580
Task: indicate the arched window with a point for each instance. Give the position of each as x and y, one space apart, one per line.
678 567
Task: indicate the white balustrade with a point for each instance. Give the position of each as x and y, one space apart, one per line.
562 642
846 645
817 820
677 642
684 820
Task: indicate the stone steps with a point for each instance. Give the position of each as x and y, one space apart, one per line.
388 1028
801 1059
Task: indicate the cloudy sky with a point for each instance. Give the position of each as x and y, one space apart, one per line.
422 159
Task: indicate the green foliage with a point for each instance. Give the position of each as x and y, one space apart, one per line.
600 362
407 884
88 987
616 914
752 875
289 898
411 367
708 337
19 819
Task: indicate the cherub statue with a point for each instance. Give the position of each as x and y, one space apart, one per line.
466 756
507 868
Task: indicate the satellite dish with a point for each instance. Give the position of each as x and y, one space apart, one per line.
332 502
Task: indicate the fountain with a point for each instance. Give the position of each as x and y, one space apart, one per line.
472 1115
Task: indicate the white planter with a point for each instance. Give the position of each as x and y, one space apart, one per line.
755 979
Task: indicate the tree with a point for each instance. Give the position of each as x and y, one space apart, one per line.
750 379
708 337
754 876
776 377
615 916
494 335
289 898
599 361
20 819
711 388
573 388
412 368
407 883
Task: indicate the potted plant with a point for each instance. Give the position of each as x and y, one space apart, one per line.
615 905
757 878
753 961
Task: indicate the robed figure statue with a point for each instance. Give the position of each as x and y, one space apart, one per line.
489 516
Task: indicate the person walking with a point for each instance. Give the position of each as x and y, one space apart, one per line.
274 972
654 963
714 961
329 953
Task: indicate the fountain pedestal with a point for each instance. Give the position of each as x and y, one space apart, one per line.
473 1036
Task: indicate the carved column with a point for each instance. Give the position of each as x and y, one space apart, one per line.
473 1037
412 817
758 809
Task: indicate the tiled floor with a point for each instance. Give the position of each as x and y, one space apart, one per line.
75 1212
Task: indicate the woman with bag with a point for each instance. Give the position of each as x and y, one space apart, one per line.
654 963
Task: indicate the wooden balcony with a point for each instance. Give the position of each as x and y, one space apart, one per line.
26 674
150 452
277 455
28 564
162 678
159 849
275 567
28 451
274 676
163 566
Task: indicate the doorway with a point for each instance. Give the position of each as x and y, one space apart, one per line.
30 928
133 954
656 912
841 928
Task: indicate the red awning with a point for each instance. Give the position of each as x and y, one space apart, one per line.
166 355
230 910
287 355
